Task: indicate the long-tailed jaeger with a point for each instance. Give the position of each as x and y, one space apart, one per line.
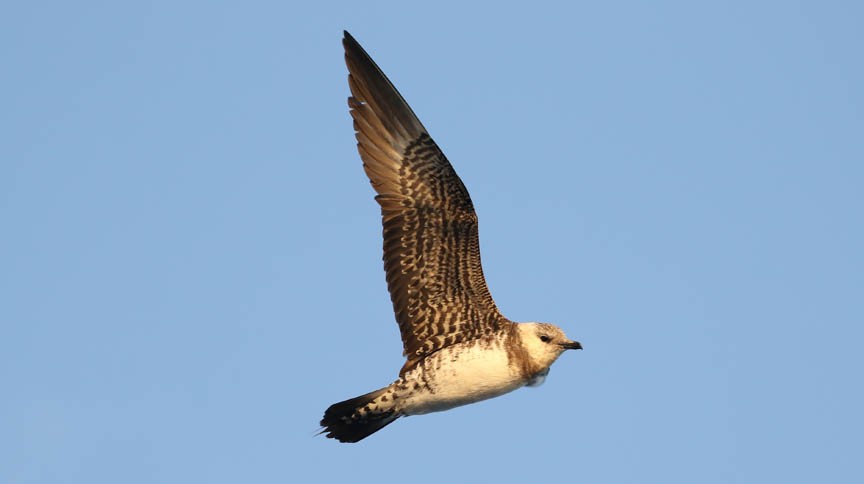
459 348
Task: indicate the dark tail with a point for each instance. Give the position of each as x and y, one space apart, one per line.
355 419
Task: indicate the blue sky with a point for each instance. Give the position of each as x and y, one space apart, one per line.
191 253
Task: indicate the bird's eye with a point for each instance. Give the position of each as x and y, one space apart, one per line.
545 338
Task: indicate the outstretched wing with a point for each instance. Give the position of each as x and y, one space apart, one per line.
431 249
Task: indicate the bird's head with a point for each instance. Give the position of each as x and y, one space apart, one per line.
545 342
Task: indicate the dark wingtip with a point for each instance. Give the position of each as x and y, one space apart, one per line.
347 38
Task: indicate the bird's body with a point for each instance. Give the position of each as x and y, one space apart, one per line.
457 375
459 347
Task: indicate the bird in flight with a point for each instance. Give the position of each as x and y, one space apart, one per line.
459 348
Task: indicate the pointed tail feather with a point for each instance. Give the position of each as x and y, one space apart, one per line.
357 418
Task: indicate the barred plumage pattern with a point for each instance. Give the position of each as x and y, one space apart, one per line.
431 244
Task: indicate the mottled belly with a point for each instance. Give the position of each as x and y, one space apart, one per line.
458 376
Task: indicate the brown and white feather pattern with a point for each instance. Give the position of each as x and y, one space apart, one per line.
431 244
459 348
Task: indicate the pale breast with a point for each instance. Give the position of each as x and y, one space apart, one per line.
459 375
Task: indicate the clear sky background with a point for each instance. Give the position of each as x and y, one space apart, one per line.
191 255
